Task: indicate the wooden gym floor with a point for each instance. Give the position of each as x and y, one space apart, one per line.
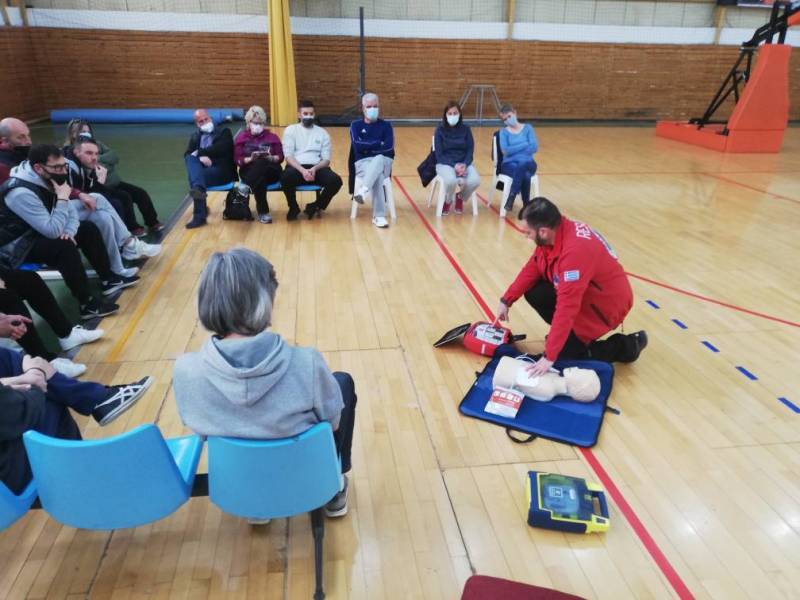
702 465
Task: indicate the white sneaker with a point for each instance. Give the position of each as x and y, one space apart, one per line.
66 367
130 272
255 521
380 222
136 248
79 336
361 194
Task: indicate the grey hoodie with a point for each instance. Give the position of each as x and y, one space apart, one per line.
27 205
258 387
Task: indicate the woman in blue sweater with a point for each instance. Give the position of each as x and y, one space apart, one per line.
518 144
453 146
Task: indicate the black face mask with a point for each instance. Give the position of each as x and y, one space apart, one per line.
58 178
21 152
307 121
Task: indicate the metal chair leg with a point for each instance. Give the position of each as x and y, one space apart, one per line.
318 530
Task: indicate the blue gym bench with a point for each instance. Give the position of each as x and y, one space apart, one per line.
138 477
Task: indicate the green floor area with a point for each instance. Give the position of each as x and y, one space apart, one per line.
151 156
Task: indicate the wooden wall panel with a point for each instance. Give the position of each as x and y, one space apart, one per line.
545 80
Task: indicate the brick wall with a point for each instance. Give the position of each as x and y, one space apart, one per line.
20 93
546 80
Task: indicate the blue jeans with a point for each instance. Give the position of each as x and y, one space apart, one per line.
62 392
343 436
520 174
201 176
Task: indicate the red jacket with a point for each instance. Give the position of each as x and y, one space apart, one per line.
593 294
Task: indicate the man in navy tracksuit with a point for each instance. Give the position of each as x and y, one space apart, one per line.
372 149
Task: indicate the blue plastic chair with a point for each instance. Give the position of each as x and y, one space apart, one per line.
123 481
266 479
221 188
12 507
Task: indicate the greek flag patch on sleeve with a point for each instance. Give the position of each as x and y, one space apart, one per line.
572 276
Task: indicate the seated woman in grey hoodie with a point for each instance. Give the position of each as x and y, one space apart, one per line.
248 382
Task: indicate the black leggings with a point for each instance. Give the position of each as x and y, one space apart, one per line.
258 175
615 348
28 286
129 195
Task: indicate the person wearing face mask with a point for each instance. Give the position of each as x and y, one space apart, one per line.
307 147
90 203
577 285
127 194
209 162
38 225
453 146
372 152
518 144
259 154
15 143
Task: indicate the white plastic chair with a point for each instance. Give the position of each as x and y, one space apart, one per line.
506 181
387 192
437 184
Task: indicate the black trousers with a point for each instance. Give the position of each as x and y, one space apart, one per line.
617 347
343 436
326 178
27 286
121 202
258 175
63 256
130 195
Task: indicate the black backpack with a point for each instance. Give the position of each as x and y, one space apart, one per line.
237 204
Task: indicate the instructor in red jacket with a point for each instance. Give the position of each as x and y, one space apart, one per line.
576 284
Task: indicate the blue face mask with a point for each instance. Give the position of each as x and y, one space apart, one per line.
512 121
371 113
452 120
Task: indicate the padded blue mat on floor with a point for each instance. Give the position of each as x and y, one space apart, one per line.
561 420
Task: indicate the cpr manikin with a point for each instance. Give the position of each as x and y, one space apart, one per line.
582 385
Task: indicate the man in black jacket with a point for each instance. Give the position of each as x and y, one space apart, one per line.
209 162
33 396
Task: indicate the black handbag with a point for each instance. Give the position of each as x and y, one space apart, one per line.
427 169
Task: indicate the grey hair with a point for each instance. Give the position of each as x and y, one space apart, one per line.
368 97
237 291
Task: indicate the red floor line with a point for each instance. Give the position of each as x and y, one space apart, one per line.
750 187
627 511
673 288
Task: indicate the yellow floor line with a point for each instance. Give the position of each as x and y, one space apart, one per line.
113 355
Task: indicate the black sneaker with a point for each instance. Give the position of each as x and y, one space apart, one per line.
116 283
337 506
120 398
635 343
293 214
97 307
311 210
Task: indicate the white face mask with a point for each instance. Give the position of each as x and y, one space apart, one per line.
452 120
256 129
207 127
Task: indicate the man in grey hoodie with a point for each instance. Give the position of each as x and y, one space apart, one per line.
248 382
38 225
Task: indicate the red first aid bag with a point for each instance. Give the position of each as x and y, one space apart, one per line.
480 337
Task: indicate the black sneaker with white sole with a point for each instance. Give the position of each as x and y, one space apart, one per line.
337 506
97 307
120 398
116 283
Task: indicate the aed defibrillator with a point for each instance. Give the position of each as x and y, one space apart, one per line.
480 337
566 503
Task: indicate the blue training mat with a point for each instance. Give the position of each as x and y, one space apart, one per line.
561 420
